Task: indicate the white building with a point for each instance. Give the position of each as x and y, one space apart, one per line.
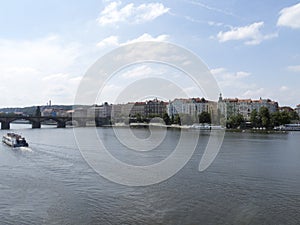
191 106
104 111
297 109
128 109
228 106
116 110
53 112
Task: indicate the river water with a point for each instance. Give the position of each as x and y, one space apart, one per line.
255 179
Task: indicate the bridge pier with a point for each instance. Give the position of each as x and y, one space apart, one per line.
102 121
5 125
36 124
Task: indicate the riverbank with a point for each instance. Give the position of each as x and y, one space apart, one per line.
192 127
257 131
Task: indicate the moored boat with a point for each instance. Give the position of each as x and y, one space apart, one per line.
201 126
289 127
14 140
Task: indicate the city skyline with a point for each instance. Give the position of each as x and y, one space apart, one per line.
50 104
46 47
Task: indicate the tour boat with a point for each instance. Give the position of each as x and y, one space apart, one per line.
201 126
206 127
14 140
289 127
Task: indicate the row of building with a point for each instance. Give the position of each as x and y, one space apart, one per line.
297 109
224 107
149 108
233 106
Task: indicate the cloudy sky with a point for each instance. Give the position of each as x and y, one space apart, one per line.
251 47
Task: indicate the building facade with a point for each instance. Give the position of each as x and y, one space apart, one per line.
297 109
51 111
190 106
155 107
232 106
104 111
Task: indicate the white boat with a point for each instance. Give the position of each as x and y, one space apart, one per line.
14 140
206 127
289 127
201 126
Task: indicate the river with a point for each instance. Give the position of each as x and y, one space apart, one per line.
255 179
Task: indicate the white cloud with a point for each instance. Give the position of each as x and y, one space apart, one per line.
55 77
34 71
113 41
46 54
295 68
148 37
213 23
283 88
290 17
223 74
251 34
210 23
208 7
192 91
109 93
113 13
217 71
109 41
137 72
284 95
232 83
255 93
60 87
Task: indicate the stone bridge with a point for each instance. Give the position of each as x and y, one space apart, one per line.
37 120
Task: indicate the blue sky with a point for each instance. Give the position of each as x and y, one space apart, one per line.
251 47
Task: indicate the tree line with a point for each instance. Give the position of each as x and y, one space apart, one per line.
263 118
179 119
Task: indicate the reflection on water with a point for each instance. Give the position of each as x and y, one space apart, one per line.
255 179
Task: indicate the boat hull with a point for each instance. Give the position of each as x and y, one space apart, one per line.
14 140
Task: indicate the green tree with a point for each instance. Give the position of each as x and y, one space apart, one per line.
235 121
285 118
254 118
166 118
172 119
139 118
264 115
276 119
281 118
177 119
204 117
294 115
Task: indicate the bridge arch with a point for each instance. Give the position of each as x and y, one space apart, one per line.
37 120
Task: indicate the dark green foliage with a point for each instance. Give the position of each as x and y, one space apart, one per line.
177 119
276 119
264 116
166 119
139 118
235 121
282 118
254 118
172 119
204 117
294 115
